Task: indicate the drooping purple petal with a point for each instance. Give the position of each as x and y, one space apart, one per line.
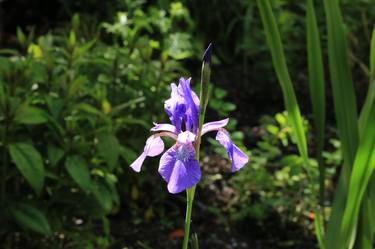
154 146
214 126
184 175
238 158
164 127
179 168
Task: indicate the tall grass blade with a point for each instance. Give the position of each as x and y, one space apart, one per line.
317 90
346 116
370 98
363 168
278 58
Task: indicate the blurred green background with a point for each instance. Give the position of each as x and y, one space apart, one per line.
81 83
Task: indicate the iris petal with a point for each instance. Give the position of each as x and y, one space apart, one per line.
164 127
154 146
179 174
214 126
238 158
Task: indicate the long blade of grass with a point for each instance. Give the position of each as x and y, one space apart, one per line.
363 168
317 91
318 229
278 58
346 115
370 98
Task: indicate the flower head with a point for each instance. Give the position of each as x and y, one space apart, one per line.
178 165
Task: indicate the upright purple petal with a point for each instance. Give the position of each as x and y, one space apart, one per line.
175 107
238 158
192 104
154 146
214 126
179 168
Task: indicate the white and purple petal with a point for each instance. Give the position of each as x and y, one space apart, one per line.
164 127
214 126
186 137
238 158
154 147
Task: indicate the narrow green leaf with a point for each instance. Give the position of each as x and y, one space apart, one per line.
346 118
363 168
370 98
278 58
32 218
78 170
317 88
108 148
26 114
29 163
21 37
318 229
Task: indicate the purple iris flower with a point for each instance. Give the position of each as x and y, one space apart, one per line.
178 165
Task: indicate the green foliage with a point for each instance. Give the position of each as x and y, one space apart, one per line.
277 180
70 109
349 225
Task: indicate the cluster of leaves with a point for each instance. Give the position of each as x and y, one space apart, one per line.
70 111
278 180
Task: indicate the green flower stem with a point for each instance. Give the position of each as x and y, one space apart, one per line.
189 207
204 95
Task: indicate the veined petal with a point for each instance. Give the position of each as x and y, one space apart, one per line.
184 175
154 146
179 168
238 158
214 126
192 104
164 127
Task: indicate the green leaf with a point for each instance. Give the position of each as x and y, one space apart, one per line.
78 170
32 218
346 117
108 148
317 89
54 154
363 169
29 163
76 85
278 58
26 114
21 37
103 196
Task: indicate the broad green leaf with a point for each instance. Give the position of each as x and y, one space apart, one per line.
108 148
26 114
32 218
103 196
317 88
29 163
78 170
279 62
54 154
